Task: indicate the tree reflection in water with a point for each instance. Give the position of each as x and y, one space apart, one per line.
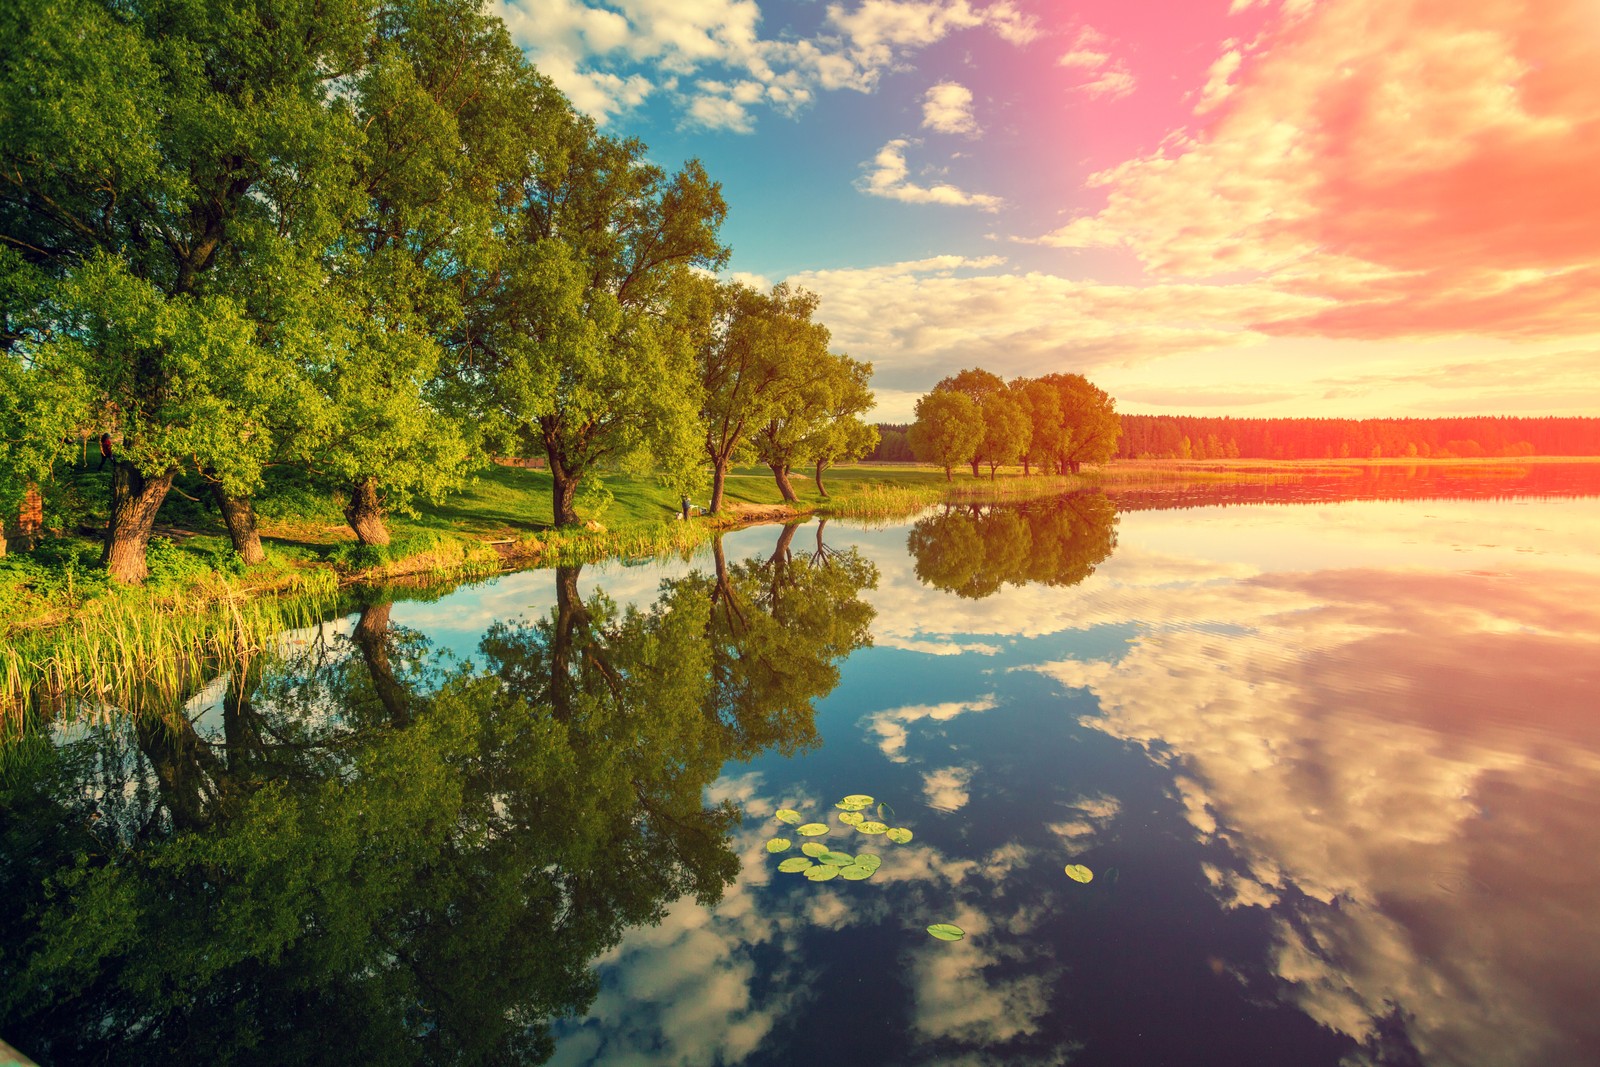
974 550
383 857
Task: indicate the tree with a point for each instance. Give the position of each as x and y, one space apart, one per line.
156 159
1043 407
587 338
1006 430
947 429
1089 423
978 384
840 433
761 351
974 551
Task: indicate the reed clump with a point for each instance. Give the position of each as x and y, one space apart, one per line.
132 652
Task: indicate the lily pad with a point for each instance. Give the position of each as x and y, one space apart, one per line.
852 818
823 873
856 872
898 834
855 802
779 844
885 813
813 848
1079 873
947 932
866 828
836 859
789 815
794 865
812 829
869 859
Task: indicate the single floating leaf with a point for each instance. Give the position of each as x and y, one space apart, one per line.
869 859
898 834
794 865
836 859
814 848
812 829
852 818
856 872
947 932
789 815
867 828
1079 873
855 802
823 873
885 813
779 844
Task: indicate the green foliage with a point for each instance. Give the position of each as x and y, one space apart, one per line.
974 552
947 429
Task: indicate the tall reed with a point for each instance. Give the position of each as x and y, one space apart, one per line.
132 653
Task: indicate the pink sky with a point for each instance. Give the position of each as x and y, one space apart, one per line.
1255 207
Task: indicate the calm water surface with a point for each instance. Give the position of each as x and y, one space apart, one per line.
1333 763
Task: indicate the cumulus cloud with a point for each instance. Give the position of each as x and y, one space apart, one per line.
609 59
1362 826
1423 167
890 725
888 176
917 320
947 108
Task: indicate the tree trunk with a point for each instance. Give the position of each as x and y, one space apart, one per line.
719 476
820 489
782 552
780 471
30 520
135 500
570 613
991 471
1076 465
240 518
563 494
372 638
947 475
1025 471
365 514
974 461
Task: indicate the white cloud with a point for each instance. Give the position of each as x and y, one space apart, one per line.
888 177
610 59
1104 75
947 108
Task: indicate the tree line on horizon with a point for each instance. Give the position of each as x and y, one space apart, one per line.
1198 437
1056 422
368 243
1226 437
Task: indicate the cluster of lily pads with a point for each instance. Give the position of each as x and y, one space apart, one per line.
820 863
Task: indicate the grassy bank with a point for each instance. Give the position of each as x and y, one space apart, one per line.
504 519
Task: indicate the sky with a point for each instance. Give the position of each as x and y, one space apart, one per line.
1350 208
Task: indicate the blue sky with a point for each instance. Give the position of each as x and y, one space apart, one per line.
1248 207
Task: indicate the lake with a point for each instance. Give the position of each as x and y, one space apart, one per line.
1324 757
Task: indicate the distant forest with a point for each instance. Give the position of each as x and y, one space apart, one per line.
1193 437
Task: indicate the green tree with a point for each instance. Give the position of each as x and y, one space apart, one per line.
979 385
839 432
587 339
947 429
974 551
1089 423
156 159
762 350
1006 430
1043 407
